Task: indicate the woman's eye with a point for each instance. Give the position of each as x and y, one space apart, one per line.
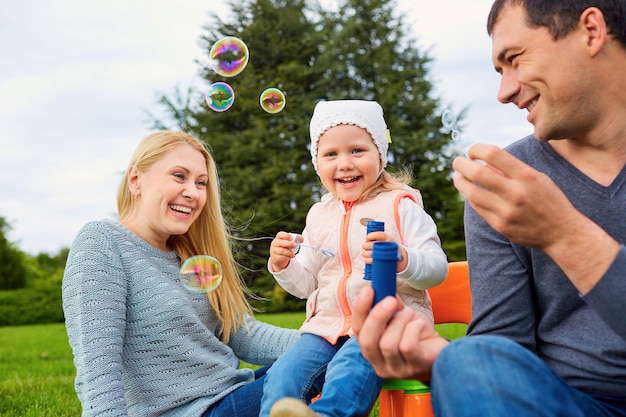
201 184
179 176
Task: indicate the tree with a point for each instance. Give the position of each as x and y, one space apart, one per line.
12 273
45 270
359 51
368 54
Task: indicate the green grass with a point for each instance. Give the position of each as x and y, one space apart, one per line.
289 320
37 372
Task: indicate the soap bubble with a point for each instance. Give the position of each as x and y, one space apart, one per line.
229 56
272 100
448 120
220 97
201 273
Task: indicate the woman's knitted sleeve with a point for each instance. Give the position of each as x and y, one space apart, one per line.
262 343
94 303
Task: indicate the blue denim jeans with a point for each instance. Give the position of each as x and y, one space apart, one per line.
494 376
349 382
245 401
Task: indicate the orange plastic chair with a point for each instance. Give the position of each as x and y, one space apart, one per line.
452 299
452 303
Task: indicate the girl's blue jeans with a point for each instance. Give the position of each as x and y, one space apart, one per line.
493 376
245 401
349 382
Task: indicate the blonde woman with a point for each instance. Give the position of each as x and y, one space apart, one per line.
143 344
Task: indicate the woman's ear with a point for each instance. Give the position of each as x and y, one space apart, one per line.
133 181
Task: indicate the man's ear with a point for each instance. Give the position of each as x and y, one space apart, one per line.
594 27
133 181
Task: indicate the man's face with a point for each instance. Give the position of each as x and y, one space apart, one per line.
543 76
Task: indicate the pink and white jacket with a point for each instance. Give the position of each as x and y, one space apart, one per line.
330 284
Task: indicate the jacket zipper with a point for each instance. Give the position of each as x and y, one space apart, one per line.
342 286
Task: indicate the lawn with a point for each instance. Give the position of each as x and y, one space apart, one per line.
37 373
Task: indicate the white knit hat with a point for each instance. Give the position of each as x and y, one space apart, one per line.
365 114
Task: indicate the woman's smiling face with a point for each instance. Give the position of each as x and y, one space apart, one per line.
170 195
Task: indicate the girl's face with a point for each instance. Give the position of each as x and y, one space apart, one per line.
170 195
348 162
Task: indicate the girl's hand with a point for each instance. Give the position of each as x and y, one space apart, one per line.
281 251
368 246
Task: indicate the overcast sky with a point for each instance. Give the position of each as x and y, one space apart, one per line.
77 77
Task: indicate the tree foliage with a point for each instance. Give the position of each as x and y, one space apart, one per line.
30 286
358 51
12 273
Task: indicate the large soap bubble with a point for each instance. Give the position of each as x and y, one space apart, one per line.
201 273
229 56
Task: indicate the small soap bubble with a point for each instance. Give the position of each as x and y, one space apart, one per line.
220 97
229 56
201 273
272 100
448 119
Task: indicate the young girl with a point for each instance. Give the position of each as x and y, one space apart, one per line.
349 152
143 344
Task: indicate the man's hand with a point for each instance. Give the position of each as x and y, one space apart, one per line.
399 342
527 207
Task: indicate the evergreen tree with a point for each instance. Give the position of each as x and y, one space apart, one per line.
264 165
359 51
369 55
12 273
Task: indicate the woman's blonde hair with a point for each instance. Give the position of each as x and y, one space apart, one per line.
208 235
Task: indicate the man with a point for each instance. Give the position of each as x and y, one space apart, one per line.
545 232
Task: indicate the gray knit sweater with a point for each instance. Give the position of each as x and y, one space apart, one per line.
520 293
144 345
